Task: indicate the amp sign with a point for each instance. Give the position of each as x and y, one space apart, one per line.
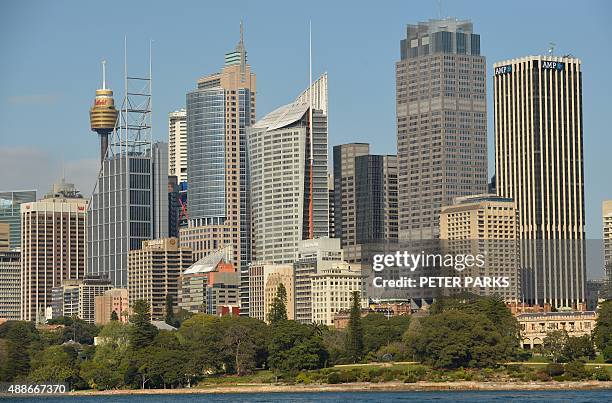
503 70
553 65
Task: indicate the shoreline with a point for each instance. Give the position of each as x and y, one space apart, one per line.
459 386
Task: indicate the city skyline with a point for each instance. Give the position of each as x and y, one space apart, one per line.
76 144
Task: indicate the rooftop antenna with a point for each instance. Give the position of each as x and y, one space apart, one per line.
310 91
103 74
440 9
551 48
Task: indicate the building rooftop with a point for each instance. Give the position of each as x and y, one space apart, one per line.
208 263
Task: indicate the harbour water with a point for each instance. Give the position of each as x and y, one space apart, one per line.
556 396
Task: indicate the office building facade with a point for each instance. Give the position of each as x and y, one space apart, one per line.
177 145
53 244
218 114
288 177
154 272
366 193
539 164
264 280
113 300
332 290
210 285
485 225
441 122
10 285
129 205
10 213
313 255
607 245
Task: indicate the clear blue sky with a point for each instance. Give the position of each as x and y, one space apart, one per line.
51 51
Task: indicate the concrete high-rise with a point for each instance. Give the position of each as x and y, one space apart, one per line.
54 246
607 244
77 297
177 145
10 213
441 122
485 225
129 203
10 285
313 256
113 300
218 113
539 164
129 206
288 177
365 198
154 272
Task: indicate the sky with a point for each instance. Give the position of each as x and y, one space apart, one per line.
50 54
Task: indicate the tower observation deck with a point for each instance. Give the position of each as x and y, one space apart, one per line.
103 114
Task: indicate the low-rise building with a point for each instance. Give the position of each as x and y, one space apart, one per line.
211 285
77 297
113 300
535 326
154 271
264 280
332 290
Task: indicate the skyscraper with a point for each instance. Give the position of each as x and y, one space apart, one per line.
218 113
10 285
607 245
10 212
130 200
54 246
539 164
288 168
441 122
177 145
366 195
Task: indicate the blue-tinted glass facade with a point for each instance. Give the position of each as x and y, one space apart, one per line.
207 155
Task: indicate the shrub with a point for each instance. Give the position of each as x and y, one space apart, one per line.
303 377
411 378
334 378
542 376
576 370
601 374
554 370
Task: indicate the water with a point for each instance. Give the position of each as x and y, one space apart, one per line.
557 396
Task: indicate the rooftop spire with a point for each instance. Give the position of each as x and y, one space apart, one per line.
103 74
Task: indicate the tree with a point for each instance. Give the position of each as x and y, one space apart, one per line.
554 344
453 339
114 317
241 347
602 335
142 332
578 347
293 347
278 310
354 333
56 364
379 331
169 319
202 335
20 336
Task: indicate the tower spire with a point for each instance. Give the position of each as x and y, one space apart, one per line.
103 74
